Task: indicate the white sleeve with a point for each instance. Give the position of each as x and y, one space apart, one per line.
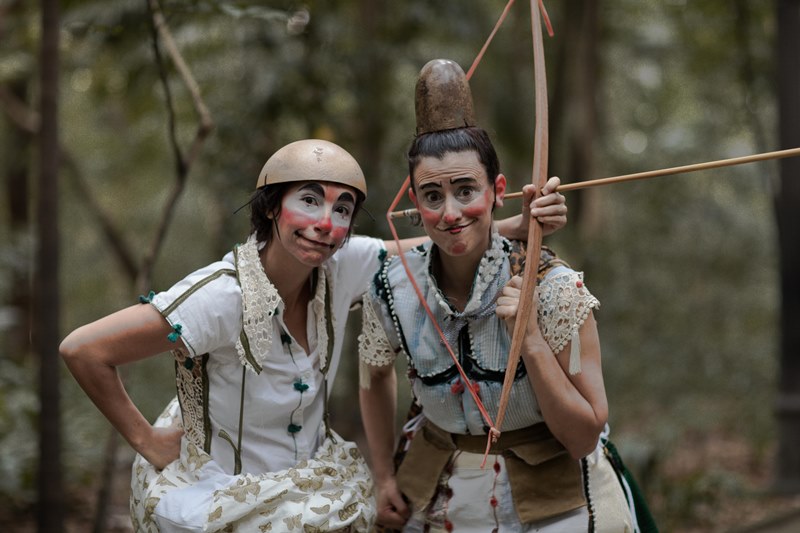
354 265
204 308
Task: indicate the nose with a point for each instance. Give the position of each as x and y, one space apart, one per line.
452 212
324 223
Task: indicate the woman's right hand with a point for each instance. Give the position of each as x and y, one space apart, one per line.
163 446
393 511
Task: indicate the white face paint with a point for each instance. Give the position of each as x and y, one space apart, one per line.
455 198
315 219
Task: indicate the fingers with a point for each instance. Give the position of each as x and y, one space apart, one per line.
514 283
391 519
528 192
550 209
395 513
551 185
508 300
550 203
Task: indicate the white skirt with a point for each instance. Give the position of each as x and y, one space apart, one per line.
331 491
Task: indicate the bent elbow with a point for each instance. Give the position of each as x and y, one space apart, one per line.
68 349
588 443
72 350
581 451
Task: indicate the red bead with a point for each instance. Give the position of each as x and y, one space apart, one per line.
476 387
448 525
457 387
496 468
493 502
579 284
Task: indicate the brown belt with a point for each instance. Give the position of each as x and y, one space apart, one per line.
545 480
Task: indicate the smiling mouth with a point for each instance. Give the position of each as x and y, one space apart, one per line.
454 230
317 244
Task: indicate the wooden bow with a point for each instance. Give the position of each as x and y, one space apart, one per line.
538 178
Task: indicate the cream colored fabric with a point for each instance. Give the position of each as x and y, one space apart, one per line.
330 491
260 299
374 348
607 504
564 305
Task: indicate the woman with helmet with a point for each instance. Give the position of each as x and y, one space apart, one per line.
257 340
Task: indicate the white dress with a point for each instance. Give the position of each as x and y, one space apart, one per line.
255 456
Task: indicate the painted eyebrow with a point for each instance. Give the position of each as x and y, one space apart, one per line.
434 184
314 187
453 181
346 197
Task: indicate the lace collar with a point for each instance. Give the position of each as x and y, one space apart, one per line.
486 275
260 303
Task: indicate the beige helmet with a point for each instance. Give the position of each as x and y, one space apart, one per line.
443 100
312 160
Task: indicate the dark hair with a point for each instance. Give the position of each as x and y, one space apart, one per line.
267 201
438 143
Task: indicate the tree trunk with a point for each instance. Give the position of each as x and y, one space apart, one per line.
15 171
787 209
46 316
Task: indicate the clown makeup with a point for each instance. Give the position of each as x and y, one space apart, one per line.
455 201
315 219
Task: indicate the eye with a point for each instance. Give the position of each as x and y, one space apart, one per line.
309 199
343 210
433 197
466 193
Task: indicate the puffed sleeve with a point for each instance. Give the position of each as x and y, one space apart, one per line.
378 344
564 305
204 308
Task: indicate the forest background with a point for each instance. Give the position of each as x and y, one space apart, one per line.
686 267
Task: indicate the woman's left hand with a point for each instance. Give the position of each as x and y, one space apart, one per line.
550 209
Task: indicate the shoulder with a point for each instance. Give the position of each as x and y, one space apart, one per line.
215 281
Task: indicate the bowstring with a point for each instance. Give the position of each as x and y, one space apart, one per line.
494 433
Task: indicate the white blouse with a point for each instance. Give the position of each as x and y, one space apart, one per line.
251 396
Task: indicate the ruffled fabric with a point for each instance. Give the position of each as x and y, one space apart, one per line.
260 301
374 348
331 491
564 305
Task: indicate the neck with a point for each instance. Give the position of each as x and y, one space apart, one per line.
291 278
455 276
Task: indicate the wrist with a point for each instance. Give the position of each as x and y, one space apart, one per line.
536 350
140 438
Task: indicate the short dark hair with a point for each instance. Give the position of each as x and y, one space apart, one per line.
266 201
438 143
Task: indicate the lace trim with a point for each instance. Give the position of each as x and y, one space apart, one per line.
490 265
374 348
318 306
259 301
190 375
564 305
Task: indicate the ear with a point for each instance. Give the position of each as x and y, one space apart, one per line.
499 190
413 197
